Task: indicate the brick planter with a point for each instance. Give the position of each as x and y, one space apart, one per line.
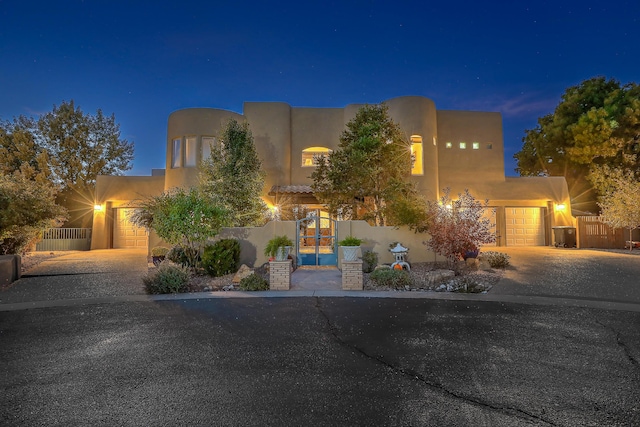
280 275
352 275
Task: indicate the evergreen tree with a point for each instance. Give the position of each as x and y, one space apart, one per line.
233 177
370 170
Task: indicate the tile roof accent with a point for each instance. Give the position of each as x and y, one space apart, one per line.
291 189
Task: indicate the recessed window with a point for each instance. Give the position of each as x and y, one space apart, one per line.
489 146
475 145
448 144
416 155
207 143
311 155
190 151
463 145
176 151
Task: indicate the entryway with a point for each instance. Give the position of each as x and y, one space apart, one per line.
317 241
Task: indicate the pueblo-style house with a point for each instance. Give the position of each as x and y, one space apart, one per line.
456 149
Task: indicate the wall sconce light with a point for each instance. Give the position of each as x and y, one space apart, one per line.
560 207
97 208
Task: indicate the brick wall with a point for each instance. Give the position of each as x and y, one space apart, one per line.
352 275
280 275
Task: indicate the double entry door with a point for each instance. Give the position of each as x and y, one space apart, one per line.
317 241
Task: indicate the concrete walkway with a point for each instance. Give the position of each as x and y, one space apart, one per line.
316 278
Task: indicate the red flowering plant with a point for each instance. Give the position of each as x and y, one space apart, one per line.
458 228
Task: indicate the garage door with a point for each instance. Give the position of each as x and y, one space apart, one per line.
525 227
126 234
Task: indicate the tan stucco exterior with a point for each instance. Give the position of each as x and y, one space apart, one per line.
460 150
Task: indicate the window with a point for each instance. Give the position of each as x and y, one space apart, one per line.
463 145
448 144
207 143
489 146
190 151
475 145
416 155
310 155
176 151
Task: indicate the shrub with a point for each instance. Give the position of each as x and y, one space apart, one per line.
350 241
254 282
369 261
496 259
223 257
394 279
168 278
271 250
179 255
159 251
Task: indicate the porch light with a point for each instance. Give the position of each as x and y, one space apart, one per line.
560 207
97 208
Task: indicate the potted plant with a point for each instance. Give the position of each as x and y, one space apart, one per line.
158 254
278 248
471 252
350 247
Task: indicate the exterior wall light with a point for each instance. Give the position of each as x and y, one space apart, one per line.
560 207
97 208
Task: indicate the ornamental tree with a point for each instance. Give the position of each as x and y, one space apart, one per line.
621 206
232 177
458 226
369 171
184 218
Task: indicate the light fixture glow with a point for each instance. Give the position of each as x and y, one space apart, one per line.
560 207
97 207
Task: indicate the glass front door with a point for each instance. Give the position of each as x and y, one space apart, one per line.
317 241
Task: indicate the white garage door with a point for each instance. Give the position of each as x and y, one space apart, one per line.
525 227
126 234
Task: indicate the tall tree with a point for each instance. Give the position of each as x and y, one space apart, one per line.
66 147
596 126
233 177
369 171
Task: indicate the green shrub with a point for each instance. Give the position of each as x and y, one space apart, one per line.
496 259
369 261
254 282
394 279
350 241
179 255
168 278
223 257
159 251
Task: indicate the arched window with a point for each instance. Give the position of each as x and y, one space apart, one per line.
310 155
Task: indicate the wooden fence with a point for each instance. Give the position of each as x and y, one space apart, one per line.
593 233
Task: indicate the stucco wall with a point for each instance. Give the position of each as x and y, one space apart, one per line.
196 122
254 239
119 191
467 166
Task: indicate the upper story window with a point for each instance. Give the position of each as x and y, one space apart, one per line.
207 143
417 162
310 155
190 151
176 151
463 145
475 145
448 144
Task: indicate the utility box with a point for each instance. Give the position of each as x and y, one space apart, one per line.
564 236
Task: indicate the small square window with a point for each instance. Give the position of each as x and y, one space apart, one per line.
489 146
448 145
475 145
463 145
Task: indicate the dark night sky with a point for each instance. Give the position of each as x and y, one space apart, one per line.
141 60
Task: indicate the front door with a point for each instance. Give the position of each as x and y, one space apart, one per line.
317 241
